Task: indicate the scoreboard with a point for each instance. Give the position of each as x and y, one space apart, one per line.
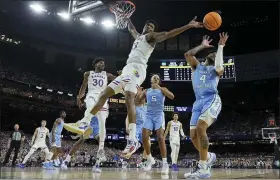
179 70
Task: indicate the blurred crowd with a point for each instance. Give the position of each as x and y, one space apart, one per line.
86 156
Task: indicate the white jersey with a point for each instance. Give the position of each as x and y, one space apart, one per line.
174 131
41 135
141 51
97 82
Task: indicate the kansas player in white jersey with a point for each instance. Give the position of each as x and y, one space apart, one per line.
208 104
155 97
174 128
38 141
95 81
134 73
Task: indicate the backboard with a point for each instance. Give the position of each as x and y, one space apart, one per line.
79 7
270 133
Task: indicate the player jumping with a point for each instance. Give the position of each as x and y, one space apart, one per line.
38 141
96 81
134 73
174 127
154 119
208 104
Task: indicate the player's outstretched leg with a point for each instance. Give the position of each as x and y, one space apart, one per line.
203 169
132 143
76 146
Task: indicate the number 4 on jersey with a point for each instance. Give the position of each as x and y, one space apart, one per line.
203 78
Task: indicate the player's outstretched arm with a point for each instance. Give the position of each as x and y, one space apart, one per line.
161 36
167 129
82 89
219 61
190 54
34 136
131 28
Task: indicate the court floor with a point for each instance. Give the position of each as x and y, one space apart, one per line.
115 173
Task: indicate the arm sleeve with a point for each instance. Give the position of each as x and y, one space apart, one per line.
219 60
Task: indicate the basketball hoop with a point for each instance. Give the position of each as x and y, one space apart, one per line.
122 9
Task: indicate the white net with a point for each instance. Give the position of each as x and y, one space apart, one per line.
122 9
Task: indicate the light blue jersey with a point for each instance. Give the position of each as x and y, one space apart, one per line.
57 133
208 103
140 119
155 105
94 124
205 81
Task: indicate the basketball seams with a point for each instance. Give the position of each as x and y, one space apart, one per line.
209 25
214 19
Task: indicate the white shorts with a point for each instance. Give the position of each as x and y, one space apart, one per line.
133 75
175 141
91 100
39 145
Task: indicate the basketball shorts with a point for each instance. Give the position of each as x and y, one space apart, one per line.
174 140
206 109
41 145
90 101
57 141
154 121
133 75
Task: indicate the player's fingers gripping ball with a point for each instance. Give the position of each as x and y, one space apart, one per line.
212 21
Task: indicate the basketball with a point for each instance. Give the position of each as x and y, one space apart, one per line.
212 21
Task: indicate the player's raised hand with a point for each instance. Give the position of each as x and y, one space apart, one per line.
223 38
206 42
195 24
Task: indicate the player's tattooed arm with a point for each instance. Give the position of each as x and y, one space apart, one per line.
131 28
161 36
82 89
34 136
167 129
190 54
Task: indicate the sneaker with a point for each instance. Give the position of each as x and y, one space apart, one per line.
200 173
22 166
64 165
131 147
165 169
45 165
196 168
124 164
148 164
211 161
101 155
175 167
96 169
50 166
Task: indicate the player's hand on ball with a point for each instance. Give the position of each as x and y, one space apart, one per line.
195 24
206 42
223 38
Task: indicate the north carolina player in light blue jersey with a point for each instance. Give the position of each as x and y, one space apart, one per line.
155 97
55 140
208 104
